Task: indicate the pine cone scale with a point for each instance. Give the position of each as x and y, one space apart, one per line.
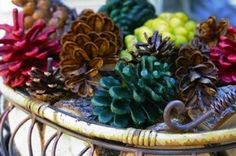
81 39
81 28
96 22
91 49
96 63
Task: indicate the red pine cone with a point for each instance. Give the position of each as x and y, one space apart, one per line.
21 49
224 56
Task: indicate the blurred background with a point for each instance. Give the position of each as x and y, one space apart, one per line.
196 9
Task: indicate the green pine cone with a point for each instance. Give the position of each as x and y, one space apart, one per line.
137 97
128 14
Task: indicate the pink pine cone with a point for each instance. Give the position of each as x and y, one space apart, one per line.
224 56
21 50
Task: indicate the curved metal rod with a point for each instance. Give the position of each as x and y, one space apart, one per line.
30 136
179 105
54 147
139 153
81 153
4 151
10 145
48 143
92 149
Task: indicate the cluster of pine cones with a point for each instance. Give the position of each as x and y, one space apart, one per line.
85 62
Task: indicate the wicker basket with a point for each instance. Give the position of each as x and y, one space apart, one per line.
148 140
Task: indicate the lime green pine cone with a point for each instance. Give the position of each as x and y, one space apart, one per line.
176 26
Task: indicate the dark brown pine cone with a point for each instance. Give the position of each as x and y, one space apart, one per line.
209 31
156 45
197 76
202 47
46 86
91 45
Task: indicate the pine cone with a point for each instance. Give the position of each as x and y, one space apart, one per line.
209 31
196 75
162 48
92 45
128 14
199 45
138 95
223 55
21 49
53 12
46 86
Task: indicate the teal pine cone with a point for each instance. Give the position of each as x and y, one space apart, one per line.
128 14
136 96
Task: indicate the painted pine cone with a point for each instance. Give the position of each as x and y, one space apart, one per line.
196 75
209 31
53 12
224 56
136 97
47 86
21 49
129 14
90 46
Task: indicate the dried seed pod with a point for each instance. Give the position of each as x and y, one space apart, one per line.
92 43
209 31
162 48
46 86
196 75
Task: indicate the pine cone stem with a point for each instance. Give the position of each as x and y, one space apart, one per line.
49 64
15 20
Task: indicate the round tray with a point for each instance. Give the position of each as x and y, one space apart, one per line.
135 138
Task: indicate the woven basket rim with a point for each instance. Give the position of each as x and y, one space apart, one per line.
131 136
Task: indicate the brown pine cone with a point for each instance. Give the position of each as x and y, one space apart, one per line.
53 12
156 45
202 47
196 75
209 31
46 86
91 45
